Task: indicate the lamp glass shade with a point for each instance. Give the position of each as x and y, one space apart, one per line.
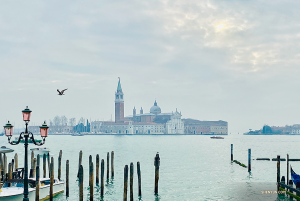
8 128
26 114
44 130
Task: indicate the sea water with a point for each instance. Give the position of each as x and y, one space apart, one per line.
192 167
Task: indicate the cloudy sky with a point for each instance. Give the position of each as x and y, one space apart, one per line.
231 60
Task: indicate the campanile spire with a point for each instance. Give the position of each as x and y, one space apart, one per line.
119 103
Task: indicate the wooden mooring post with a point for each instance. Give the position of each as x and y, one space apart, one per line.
139 179
59 165
231 152
32 157
156 164
91 179
125 182
112 164
249 160
131 181
278 171
90 162
44 166
38 162
51 171
298 188
9 171
107 167
287 168
48 157
97 170
67 178
16 161
291 185
79 162
37 183
34 167
80 175
102 178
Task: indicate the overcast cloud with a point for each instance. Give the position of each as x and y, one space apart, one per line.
213 60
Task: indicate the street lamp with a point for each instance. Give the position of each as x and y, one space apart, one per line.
26 135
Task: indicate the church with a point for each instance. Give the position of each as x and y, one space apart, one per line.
154 122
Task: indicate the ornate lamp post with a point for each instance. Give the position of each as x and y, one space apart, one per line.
26 135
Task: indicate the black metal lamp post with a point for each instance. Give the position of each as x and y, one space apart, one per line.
26 135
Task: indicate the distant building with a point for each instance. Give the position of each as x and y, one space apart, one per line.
193 126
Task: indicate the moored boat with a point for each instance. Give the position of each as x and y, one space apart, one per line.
40 150
216 137
295 177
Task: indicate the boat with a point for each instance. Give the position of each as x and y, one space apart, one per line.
4 150
40 150
13 189
77 134
216 137
1 134
295 177
23 141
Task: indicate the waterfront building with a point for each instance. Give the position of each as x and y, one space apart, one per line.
193 126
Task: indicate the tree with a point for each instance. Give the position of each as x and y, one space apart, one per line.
64 121
57 121
72 122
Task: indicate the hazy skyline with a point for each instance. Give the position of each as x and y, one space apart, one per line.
235 61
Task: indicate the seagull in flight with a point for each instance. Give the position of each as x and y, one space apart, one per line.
61 92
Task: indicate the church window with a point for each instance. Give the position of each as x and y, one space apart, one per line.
117 96
121 96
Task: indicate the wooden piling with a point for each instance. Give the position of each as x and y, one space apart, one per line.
91 179
44 166
278 171
67 178
131 181
38 163
102 178
125 182
97 170
5 163
139 179
112 164
32 157
287 169
298 188
90 162
107 173
0 170
51 171
156 164
249 160
59 165
80 175
291 185
16 161
12 164
231 152
37 183
79 162
34 168
9 171
48 157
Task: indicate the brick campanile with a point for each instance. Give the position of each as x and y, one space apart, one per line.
119 104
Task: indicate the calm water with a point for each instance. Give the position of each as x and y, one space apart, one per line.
191 168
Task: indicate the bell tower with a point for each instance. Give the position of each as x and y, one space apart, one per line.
119 104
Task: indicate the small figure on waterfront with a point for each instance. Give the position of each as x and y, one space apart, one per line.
61 92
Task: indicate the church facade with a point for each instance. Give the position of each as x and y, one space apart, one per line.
154 122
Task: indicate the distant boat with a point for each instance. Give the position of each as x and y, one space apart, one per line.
295 177
77 134
41 151
216 137
1 134
23 141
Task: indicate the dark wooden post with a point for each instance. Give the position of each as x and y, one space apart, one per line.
67 178
38 163
291 185
34 167
139 178
131 181
80 174
102 177
107 173
32 157
79 162
37 183
125 183
59 165
97 170
51 178
12 164
9 171
249 160
298 188
90 162
156 164
91 182
231 152
287 168
44 166
112 164
5 164
278 171
48 157
16 161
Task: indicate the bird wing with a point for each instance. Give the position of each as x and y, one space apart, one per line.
63 90
58 91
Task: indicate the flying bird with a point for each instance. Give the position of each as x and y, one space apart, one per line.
61 92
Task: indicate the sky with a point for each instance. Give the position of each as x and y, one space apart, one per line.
228 60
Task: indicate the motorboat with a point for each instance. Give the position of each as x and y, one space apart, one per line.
13 189
77 134
4 150
40 150
23 141
216 137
